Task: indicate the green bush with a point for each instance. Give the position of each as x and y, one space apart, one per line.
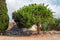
4 19
47 27
57 24
31 14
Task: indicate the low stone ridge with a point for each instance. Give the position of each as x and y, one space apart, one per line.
16 31
25 32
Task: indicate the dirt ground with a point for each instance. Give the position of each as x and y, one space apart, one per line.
32 37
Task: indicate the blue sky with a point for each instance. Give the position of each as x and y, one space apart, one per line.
14 5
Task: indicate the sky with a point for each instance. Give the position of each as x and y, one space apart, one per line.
14 5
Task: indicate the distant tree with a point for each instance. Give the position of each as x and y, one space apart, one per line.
33 14
57 24
4 19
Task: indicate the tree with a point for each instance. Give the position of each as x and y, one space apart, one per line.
33 14
4 19
57 24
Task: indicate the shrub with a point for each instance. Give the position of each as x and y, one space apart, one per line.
57 24
47 27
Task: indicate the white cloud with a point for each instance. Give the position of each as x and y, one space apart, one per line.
57 10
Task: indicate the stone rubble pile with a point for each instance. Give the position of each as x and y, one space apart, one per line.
16 31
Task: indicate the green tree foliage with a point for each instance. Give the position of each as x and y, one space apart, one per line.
57 24
4 19
33 13
3 8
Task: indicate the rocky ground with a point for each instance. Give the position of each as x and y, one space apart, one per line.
32 37
24 31
18 34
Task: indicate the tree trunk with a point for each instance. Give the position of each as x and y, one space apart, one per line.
38 27
2 32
